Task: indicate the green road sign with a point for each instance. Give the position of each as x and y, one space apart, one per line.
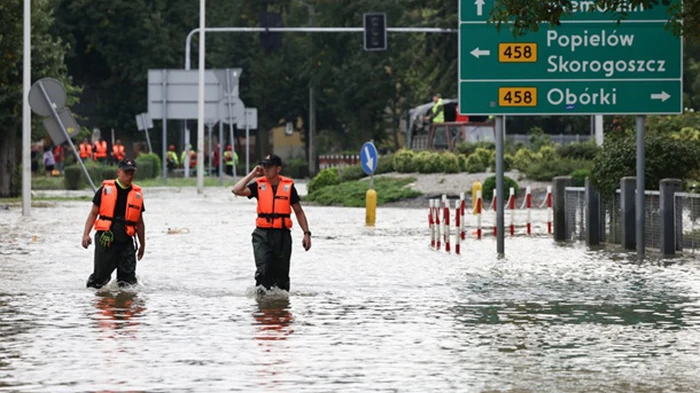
571 97
628 63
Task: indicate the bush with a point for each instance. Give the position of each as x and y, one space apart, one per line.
579 151
468 148
427 162
73 178
538 138
144 169
579 177
325 178
109 173
155 162
449 163
546 170
485 156
665 157
507 162
385 164
490 185
473 164
352 172
404 162
548 153
296 168
524 158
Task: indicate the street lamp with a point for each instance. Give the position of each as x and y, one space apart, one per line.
312 112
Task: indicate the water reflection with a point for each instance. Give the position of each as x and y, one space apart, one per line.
118 313
273 318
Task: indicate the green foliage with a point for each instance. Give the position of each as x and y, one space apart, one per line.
145 169
404 161
108 172
579 177
324 178
428 162
665 157
296 168
580 150
352 172
155 162
524 158
545 170
468 148
449 163
73 177
385 164
507 162
547 153
352 193
485 156
538 138
673 123
16 181
490 185
473 164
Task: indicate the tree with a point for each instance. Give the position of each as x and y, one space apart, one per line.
47 61
521 16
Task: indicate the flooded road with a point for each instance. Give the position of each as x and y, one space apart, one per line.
369 310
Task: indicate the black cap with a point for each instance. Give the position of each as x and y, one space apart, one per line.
272 159
127 164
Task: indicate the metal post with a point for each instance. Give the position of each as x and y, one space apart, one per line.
667 195
221 154
209 127
230 124
247 146
65 133
27 113
500 192
627 210
592 215
200 118
148 140
312 130
164 75
559 205
639 208
186 161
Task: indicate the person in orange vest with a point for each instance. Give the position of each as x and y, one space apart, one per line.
85 150
118 151
116 215
59 154
272 239
100 150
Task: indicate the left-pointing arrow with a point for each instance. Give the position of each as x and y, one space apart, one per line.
480 52
663 96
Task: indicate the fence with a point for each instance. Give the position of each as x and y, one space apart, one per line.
337 160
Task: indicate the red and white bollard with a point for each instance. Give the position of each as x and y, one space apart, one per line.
438 224
431 224
446 219
527 204
479 206
461 223
458 226
511 206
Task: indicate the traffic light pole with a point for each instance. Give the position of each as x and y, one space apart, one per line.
312 150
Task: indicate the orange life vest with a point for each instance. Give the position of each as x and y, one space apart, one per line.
274 210
134 205
85 150
101 149
118 152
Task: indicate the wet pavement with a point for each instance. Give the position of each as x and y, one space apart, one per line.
371 309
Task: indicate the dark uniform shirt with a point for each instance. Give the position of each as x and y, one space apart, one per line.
118 227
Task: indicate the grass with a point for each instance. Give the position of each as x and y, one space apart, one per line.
352 193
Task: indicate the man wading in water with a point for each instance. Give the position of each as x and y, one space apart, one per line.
272 240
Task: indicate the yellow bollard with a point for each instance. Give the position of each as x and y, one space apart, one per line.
371 207
476 187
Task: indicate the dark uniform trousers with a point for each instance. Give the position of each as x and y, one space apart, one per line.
273 250
120 256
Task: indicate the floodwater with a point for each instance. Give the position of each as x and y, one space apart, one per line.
370 310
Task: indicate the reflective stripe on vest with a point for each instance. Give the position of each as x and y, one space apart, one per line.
134 205
274 211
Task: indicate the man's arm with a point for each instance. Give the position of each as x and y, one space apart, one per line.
91 218
304 224
141 234
241 188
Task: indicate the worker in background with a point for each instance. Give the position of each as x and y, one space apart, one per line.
117 151
437 112
100 152
171 158
85 150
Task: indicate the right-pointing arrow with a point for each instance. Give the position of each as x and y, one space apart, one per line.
663 96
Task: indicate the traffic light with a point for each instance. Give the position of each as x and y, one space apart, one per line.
271 41
375 31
